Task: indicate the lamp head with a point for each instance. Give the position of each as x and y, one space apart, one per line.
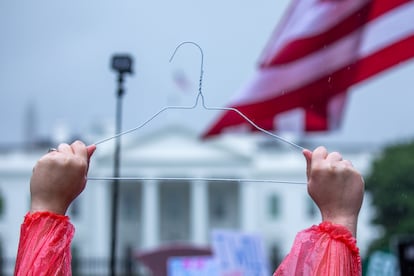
122 63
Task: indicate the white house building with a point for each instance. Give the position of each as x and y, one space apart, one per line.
156 211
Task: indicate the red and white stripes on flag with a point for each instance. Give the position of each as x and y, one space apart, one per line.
319 50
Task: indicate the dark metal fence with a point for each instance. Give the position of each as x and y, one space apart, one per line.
86 266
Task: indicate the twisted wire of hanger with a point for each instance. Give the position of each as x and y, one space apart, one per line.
199 96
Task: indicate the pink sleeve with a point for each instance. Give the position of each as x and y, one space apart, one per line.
326 249
44 247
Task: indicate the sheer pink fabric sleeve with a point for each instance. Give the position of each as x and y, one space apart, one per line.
44 247
325 249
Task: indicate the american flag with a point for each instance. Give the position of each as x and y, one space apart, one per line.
320 49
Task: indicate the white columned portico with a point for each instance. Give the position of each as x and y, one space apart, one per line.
150 214
199 211
100 193
248 206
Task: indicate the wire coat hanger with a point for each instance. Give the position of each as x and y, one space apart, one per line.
199 96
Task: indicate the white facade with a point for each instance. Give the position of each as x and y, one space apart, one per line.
154 211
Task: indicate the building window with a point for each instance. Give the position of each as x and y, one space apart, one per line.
312 209
218 208
274 206
29 202
74 209
275 255
175 211
2 204
223 205
75 263
130 205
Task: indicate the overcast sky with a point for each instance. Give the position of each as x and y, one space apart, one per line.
55 56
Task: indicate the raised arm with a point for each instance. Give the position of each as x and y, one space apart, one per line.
330 247
46 233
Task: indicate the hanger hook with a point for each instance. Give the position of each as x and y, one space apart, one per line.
200 83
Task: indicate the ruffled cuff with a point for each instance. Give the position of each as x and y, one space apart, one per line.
324 249
339 233
30 217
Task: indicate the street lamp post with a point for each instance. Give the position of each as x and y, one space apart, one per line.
122 64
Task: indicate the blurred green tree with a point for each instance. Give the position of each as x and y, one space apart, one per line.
391 184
